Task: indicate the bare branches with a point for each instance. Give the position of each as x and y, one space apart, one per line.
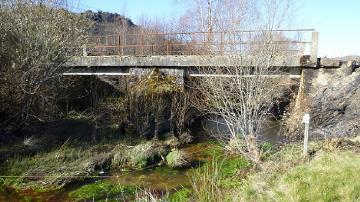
243 100
38 37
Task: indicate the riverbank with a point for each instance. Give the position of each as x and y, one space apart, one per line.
328 174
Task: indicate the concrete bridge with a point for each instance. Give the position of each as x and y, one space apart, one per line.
179 55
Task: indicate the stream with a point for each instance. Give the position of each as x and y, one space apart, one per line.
160 178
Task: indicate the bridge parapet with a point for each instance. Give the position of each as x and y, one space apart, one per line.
293 42
177 61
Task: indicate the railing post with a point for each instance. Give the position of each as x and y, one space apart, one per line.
84 51
314 46
142 44
120 45
167 46
222 43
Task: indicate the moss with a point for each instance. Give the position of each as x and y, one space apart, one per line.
102 190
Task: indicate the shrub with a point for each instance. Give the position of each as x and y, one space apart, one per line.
177 158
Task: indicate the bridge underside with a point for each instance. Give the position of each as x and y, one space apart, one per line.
128 65
182 65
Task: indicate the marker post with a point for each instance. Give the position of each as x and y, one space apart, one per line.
306 121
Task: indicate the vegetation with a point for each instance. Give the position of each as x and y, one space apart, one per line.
244 99
50 170
330 176
182 195
155 100
103 191
57 133
37 38
177 158
143 154
212 181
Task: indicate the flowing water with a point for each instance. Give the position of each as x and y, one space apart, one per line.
160 178
269 131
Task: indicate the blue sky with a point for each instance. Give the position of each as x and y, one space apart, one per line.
338 21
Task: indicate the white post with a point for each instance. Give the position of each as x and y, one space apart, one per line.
306 120
314 46
84 51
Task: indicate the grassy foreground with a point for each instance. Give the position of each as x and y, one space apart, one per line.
328 175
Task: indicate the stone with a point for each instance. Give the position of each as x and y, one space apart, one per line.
334 101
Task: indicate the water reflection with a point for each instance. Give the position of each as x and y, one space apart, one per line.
270 131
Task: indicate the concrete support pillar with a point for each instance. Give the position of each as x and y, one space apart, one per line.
314 46
84 51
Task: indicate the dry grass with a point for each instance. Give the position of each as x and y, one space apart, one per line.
330 175
177 158
49 170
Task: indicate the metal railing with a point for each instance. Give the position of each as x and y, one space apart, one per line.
197 43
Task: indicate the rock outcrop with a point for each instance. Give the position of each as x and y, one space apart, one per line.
333 100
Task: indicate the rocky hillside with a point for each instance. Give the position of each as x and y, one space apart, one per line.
108 23
334 97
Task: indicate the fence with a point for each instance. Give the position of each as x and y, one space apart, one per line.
296 42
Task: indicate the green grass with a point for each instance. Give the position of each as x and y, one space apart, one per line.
212 181
182 195
102 191
330 176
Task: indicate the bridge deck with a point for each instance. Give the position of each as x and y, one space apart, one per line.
123 65
175 61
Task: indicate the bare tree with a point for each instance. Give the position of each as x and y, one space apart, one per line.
37 39
242 92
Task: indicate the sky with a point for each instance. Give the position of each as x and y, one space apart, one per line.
337 21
